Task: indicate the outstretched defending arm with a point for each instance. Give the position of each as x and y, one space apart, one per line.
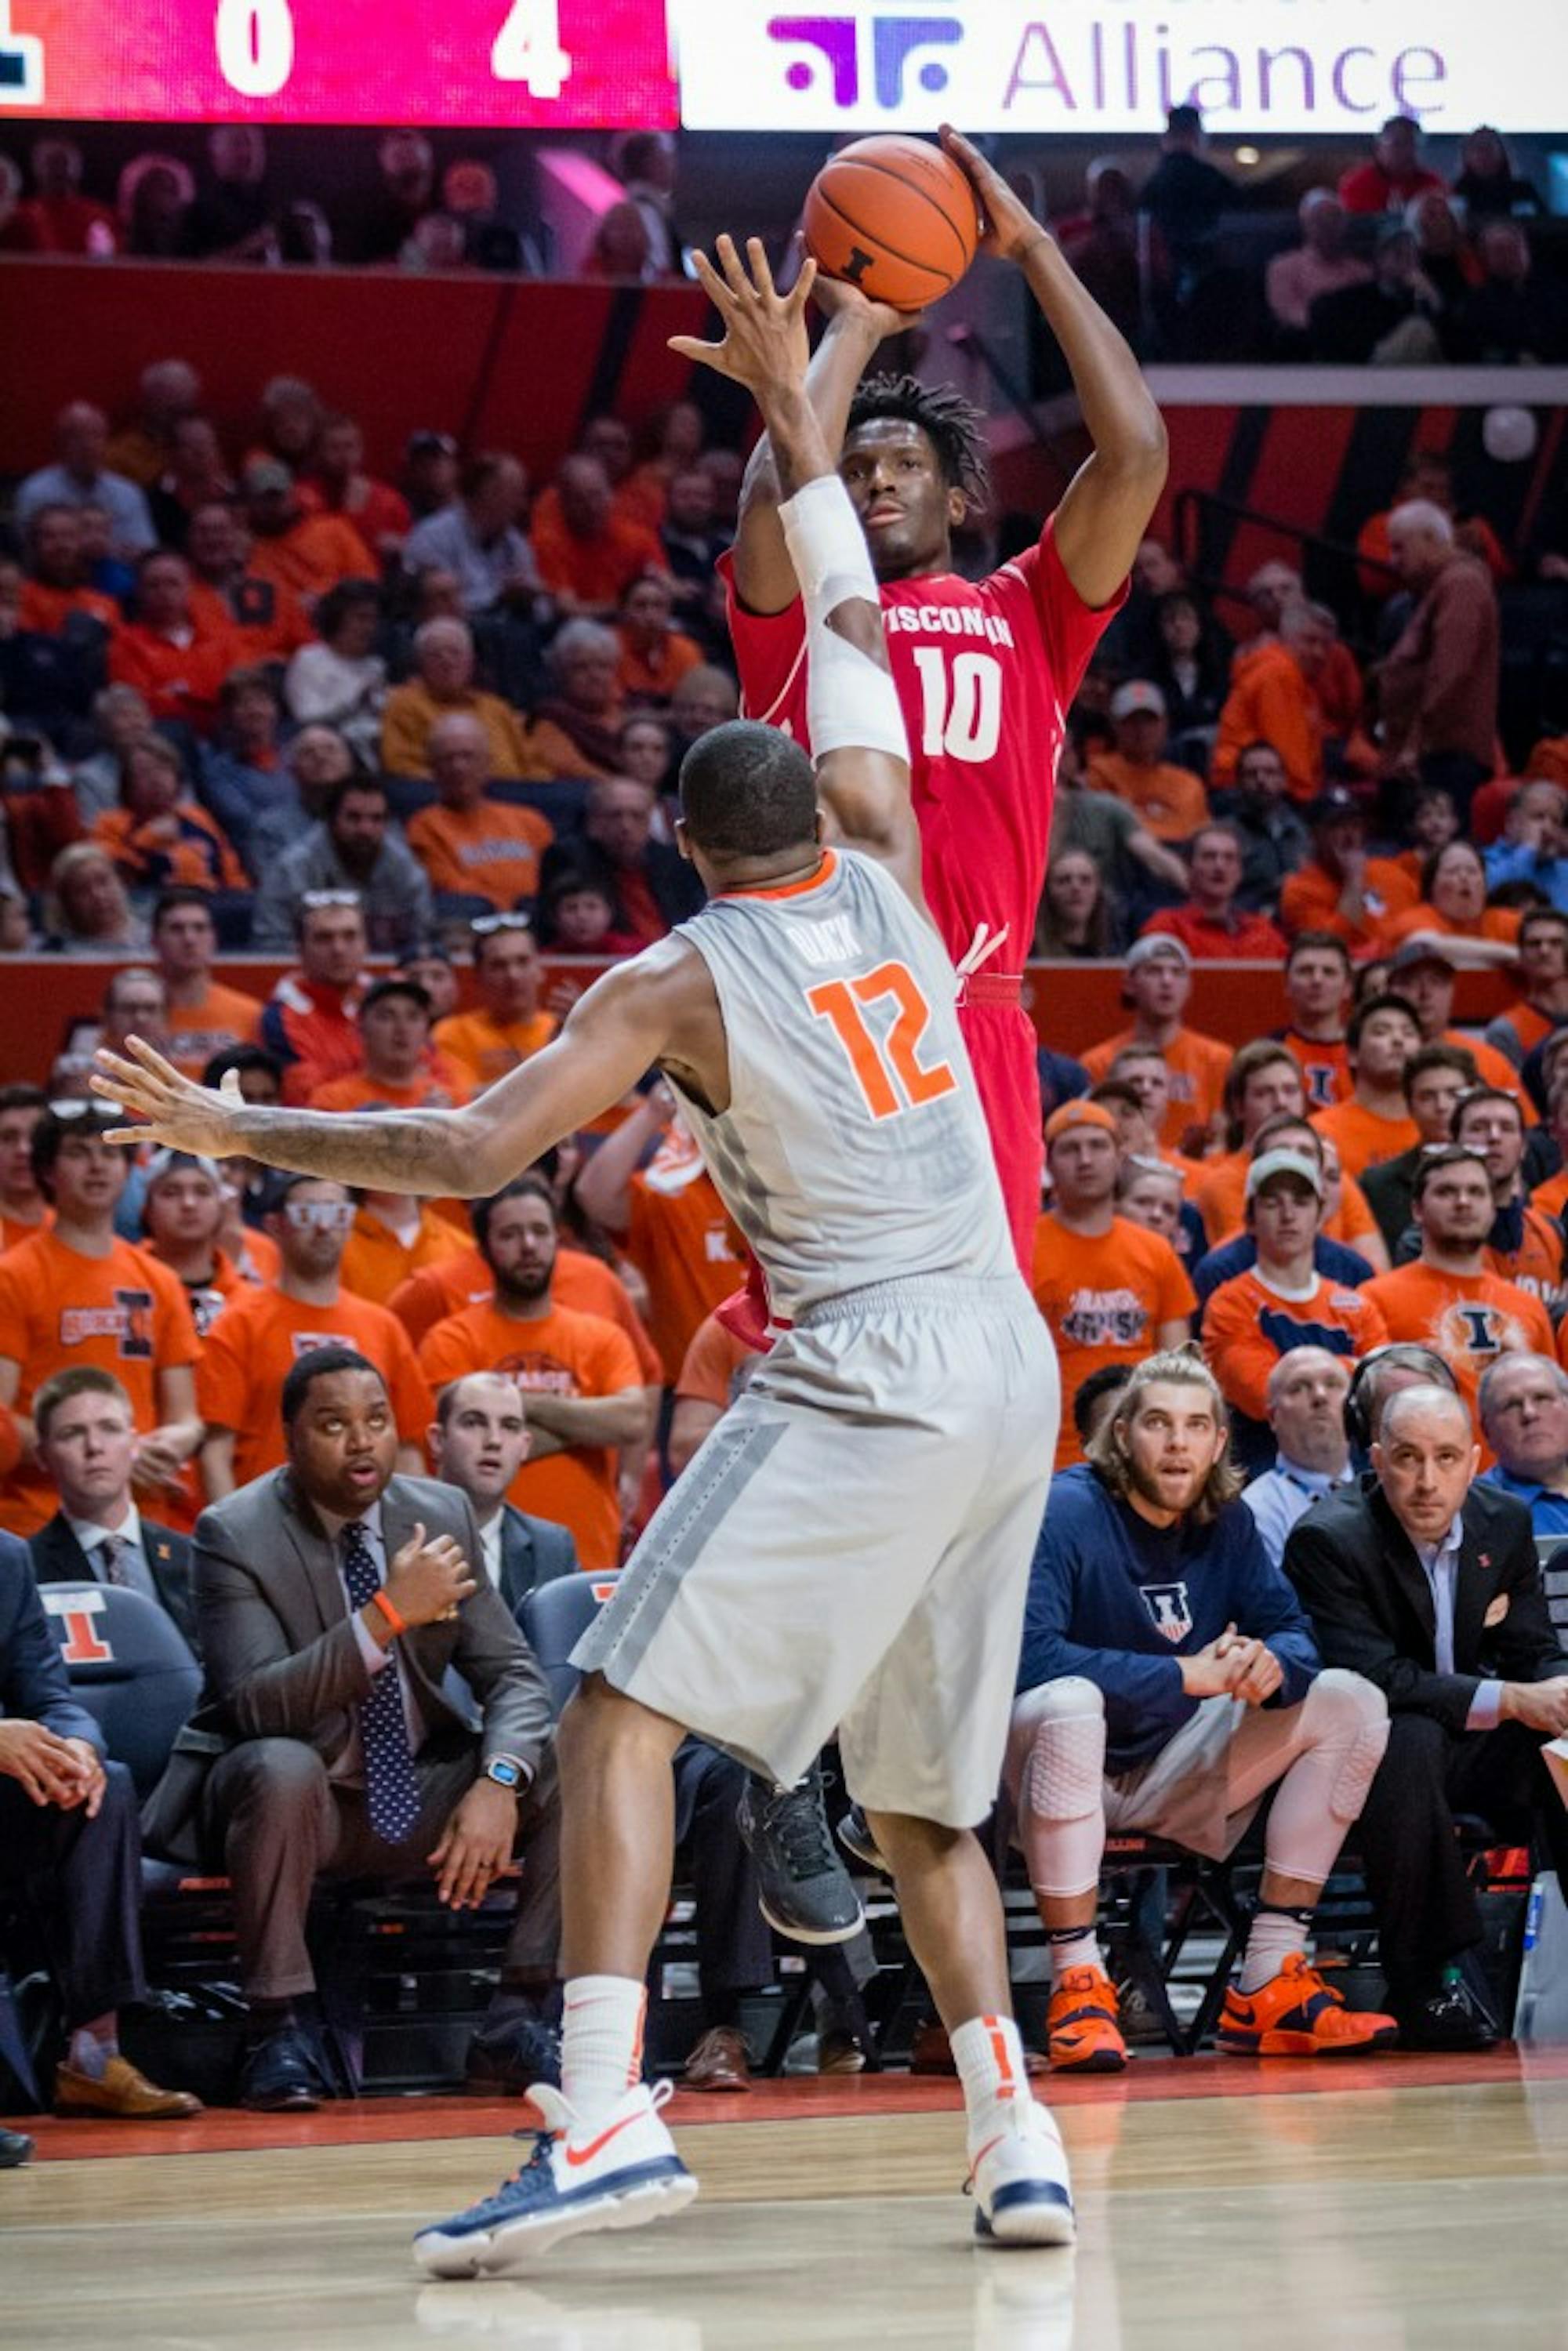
857 725
1106 508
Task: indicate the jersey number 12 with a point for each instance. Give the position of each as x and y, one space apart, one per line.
889 1070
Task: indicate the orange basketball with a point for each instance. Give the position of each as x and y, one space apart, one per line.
896 217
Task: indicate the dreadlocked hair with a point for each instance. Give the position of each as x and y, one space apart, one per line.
951 423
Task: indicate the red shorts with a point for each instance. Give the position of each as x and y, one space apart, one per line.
1003 1047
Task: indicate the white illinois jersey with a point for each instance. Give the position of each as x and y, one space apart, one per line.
854 1149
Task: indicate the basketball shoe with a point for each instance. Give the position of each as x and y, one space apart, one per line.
625 2174
803 1888
1297 2015
1023 2195
1084 2024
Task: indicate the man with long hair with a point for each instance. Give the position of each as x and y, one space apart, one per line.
1168 1680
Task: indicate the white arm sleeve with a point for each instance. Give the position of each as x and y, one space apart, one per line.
852 703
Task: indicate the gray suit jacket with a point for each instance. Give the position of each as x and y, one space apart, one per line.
282 1660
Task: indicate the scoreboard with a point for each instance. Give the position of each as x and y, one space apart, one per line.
529 64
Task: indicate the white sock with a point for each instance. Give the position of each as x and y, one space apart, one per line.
1270 1940
602 2043
990 2057
1074 1948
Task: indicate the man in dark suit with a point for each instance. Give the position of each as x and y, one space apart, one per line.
332 1596
67 1827
478 1441
1429 1585
86 1435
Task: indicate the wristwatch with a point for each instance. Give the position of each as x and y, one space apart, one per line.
507 1773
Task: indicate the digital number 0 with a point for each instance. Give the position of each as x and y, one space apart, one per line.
256 45
528 49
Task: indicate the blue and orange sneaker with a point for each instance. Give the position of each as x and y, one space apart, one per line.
1297 2015
1084 2024
623 2175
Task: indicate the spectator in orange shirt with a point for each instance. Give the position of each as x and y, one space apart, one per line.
1158 984
1263 1082
470 846
22 1207
308 553
1274 588
507 1027
1109 1290
1271 700
1525 1245
443 688
669 1219
74 1293
576 728
1317 989
308 1023
1282 1300
267 616
587 555
715 1368
1423 972
57 588
1211 925
1453 904
654 654
339 485
158 838
577 1373
395 1236
1375 1123
204 1016
1170 802
1339 888
262 1332
1448 1300
163 654
183 1210
395 1070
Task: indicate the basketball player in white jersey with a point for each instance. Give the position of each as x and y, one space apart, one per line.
851 1548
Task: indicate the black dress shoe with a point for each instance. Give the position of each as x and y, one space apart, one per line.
15 2148
1444 2019
506 2061
283 2075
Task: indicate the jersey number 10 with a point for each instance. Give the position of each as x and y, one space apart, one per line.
960 706
889 1070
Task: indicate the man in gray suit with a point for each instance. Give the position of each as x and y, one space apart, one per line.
332 1596
478 1441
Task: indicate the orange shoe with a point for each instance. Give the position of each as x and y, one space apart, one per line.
1085 2035
1297 2015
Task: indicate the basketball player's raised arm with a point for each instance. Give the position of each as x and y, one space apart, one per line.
857 725
613 1035
1106 508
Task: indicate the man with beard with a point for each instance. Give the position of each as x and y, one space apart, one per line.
1156 1638
577 1373
355 847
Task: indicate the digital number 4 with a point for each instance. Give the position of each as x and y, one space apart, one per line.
528 49
21 64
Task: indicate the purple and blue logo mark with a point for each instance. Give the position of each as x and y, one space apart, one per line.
895 42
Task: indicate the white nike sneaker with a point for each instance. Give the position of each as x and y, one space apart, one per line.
623 2174
1023 2193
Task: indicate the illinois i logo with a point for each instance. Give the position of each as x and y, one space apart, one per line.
1167 1604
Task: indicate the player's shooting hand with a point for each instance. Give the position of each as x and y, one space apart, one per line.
178 1112
1007 227
765 344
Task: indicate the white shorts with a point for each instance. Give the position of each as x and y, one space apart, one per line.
851 1549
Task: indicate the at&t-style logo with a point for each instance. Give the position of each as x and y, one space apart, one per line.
838 44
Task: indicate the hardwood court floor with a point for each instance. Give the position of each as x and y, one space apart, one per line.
1418 2210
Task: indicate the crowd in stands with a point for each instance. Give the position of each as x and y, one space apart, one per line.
258 697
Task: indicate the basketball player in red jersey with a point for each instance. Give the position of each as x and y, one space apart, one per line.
985 669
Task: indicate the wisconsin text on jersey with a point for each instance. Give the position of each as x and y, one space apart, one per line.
946 621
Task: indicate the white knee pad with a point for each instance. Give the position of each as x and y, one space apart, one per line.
1355 1722
852 703
1066 1767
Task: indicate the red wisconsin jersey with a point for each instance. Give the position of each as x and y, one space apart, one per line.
985 671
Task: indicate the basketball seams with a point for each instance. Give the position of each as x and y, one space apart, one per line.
846 161
945 279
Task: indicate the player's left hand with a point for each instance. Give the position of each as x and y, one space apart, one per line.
1008 226
178 1112
765 340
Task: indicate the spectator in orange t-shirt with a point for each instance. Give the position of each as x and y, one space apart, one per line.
1264 1081
1375 1123
22 1207
577 1373
1543 981
1317 989
1425 971
1109 1290
339 485
654 654
395 1236
1448 1300
1273 699
394 1042
1453 902
1158 984
267 618
204 1016
1339 888
507 1028
443 688
669 1219
1525 1245
56 587
1170 802
183 1210
305 553
164 654
469 844
263 1333
74 1293
158 838
587 554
